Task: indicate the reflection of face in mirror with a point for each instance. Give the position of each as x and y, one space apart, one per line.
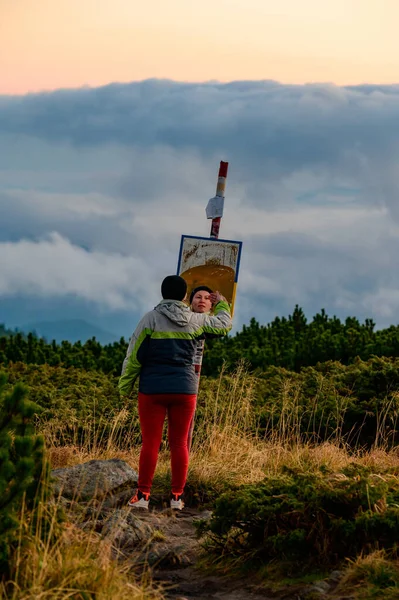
201 302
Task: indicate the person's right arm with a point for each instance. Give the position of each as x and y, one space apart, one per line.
220 322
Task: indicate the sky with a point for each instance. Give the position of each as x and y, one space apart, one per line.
114 117
48 44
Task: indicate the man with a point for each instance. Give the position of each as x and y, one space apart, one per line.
161 351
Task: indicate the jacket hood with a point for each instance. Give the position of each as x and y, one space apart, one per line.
176 311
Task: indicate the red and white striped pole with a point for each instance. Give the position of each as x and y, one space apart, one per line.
214 211
219 198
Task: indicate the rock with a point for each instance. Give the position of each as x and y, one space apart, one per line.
124 530
95 479
321 587
205 515
117 500
163 556
336 576
91 526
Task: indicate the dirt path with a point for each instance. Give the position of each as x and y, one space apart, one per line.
177 558
166 542
174 557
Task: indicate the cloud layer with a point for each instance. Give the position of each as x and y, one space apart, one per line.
97 186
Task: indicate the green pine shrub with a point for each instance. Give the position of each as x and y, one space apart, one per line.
356 404
23 469
308 519
77 407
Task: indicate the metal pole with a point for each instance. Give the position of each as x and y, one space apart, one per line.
220 188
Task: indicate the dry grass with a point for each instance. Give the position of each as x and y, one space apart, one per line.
237 459
371 577
94 436
225 450
71 564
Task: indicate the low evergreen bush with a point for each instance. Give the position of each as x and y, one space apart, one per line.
308 519
23 469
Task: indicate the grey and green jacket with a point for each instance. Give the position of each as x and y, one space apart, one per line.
162 349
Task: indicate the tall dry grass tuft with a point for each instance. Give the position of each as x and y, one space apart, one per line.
226 447
94 435
371 576
70 563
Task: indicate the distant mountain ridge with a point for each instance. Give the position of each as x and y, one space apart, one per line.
5 332
71 330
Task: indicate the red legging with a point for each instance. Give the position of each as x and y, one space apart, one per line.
153 408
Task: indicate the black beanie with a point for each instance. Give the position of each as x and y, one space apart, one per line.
173 287
198 289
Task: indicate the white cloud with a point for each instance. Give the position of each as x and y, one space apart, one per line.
98 185
55 267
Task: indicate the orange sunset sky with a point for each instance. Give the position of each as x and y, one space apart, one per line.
47 44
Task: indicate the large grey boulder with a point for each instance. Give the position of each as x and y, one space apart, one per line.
124 530
95 479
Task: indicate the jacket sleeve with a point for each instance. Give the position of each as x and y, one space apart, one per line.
131 365
219 323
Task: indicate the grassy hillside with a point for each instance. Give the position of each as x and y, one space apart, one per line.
321 442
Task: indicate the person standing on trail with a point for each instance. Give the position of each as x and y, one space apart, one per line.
161 351
200 302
